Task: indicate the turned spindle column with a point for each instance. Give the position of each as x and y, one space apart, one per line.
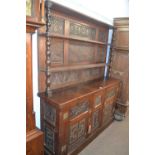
48 5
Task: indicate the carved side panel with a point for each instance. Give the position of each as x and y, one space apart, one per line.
80 52
95 119
79 30
57 51
50 114
57 25
77 133
79 108
49 136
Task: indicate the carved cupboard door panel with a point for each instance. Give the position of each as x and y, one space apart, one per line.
78 131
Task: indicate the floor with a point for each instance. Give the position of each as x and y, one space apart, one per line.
114 140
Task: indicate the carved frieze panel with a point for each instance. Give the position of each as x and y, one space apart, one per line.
57 25
49 136
80 30
97 100
95 119
77 131
50 114
57 51
80 52
79 108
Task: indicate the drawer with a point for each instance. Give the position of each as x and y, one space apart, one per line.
79 107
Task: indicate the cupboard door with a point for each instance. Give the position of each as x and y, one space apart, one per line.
78 131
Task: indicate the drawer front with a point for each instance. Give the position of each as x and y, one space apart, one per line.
79 107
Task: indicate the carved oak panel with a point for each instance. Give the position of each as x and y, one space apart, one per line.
80 52
57 25
79 108
80 30
77 133
50 114
49 136
57 51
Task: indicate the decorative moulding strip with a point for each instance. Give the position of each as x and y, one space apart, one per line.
77 67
